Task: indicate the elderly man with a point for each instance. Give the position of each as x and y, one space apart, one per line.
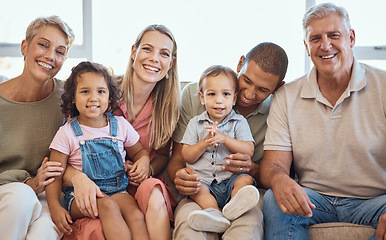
330 124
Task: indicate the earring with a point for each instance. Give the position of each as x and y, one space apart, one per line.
167 75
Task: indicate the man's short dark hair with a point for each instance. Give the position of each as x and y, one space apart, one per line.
270 57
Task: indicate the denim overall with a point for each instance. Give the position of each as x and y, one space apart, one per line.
101 162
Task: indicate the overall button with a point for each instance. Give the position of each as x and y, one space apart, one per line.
82 142
114 140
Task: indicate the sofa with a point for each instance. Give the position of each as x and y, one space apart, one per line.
340 231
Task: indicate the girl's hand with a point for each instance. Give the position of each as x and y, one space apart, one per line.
62 219
128 165
140 170
216 137
45 175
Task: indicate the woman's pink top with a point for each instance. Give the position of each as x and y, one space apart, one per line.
141 123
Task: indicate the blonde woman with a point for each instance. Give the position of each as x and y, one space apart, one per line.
151 104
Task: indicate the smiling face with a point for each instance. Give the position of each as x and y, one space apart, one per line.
255 85
153 57
91 99
218 96
45 53
329 44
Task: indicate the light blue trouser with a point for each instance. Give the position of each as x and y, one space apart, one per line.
278 225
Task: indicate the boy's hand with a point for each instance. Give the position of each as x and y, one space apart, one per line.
62 219
217 137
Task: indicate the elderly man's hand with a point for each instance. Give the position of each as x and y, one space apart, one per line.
381 229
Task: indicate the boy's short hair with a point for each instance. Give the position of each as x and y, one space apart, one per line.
216 70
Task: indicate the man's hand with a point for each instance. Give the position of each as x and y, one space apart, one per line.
238 163
45 175
380 234
187 181
291 197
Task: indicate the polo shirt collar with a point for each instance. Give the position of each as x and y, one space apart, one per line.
357 81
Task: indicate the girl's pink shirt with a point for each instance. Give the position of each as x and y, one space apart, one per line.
66 142
141 123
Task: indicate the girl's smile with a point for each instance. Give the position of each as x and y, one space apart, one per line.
92 99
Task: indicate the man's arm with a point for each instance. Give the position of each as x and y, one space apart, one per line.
184 178
289 195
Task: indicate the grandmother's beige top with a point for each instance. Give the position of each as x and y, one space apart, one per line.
26 131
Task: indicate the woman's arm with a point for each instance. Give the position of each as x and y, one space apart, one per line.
160 160
139 171
85 191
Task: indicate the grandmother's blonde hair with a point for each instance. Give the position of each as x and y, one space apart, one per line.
166 94
53 21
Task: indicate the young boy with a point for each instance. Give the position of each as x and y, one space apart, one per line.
211 136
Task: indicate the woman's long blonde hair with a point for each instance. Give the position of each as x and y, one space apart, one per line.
166 94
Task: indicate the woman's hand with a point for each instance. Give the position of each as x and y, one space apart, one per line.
86 192
45 175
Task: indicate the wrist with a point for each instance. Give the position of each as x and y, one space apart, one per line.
76 176
151 171
32 183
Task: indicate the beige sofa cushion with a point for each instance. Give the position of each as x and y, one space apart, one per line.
340 231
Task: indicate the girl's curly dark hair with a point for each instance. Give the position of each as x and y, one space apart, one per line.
68 107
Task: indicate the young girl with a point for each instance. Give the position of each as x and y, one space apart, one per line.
96 142
209 137
150 102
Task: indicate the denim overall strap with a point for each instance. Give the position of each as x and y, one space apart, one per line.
113 125
102 161
76 127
